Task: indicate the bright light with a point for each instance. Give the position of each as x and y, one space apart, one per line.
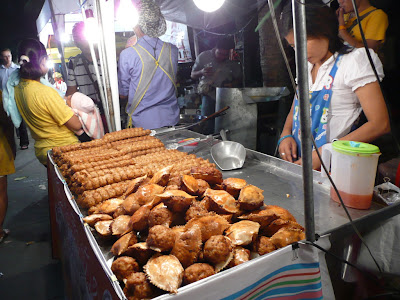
91 30
65 38
50 64
127 15
209 5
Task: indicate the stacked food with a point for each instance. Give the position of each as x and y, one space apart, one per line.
173 217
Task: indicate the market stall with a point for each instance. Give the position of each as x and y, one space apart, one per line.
87 258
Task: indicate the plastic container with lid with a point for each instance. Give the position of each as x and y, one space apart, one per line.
353 169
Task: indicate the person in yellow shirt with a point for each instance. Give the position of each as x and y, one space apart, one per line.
51 122
374 23
7 155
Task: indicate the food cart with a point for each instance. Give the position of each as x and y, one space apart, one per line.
87 259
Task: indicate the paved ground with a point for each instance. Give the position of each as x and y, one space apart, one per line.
27 270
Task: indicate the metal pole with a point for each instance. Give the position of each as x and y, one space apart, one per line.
300 37
196 42
60 45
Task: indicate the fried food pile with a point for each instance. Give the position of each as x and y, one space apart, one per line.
172 217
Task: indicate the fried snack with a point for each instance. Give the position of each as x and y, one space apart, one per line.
103 227
160 215
106 207
264 216
137 286
139 220
211 175
197 272
57 151
139 251
160 238
124 266
94 218
203 186
263 245
278 224
286 236
90 166
121 225
189 184
233 186
221 201
122 244
165 272
146 193
130 204
187 246
251 197
242 233
196 209
130 141
176 200
211 224
218 250
134 185
125 134
240 255
161 177
90 198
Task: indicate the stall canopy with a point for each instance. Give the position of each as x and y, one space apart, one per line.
180 11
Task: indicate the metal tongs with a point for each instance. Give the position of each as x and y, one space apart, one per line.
219 113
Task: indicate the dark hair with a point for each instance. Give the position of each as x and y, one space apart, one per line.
78 32
225 43
5 49
321 22
36 52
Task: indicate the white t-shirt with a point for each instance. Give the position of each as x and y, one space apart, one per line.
354 71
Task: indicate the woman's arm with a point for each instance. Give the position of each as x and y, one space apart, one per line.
374 107
73 123
288 146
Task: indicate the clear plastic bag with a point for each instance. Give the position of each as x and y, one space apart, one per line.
387 192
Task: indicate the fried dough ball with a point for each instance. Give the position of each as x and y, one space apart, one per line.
139 251
263 245
176 200
145 194
197 272
217 249
160 238
176 180
124 266
202 186
189 184
251 197
278 224
240 255
286 236
130 204
160 215
211 224
197 209
139 220
137 286
233 186
122 244
187 246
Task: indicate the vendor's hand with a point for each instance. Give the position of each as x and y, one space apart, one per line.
288 149
316 163
340 16
208 71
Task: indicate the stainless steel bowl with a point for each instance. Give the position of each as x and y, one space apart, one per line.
228 155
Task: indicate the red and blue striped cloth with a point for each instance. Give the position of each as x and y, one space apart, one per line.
296 281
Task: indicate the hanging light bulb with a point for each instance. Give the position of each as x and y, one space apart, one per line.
127 15
91 27
209 5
